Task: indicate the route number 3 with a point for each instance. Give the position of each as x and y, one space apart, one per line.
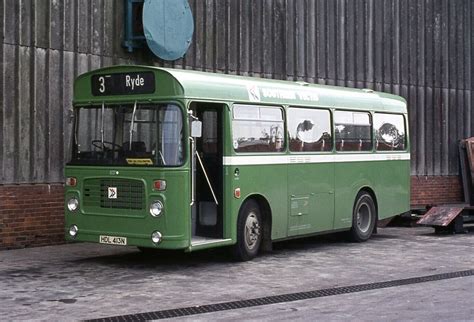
102 84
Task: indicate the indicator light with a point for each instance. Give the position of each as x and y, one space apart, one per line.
71 181
159 185
237 193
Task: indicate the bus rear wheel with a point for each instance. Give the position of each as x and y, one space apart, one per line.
249 232
364 216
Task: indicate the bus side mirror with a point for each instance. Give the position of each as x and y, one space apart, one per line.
196 129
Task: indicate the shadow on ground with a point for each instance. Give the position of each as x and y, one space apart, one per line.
179 259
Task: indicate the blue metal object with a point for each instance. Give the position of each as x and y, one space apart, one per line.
168 26
133 34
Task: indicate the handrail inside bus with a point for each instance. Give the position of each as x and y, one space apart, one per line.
193 175
207 178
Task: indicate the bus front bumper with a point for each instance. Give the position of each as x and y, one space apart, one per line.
127 239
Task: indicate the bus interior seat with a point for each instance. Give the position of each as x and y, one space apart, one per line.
323 144
339 144
353 145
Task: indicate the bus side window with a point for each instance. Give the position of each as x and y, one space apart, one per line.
309 130
353 131
257 129
389 132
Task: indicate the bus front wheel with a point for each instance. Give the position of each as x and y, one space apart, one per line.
249 231
363 217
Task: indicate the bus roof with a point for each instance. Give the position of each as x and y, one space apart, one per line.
180 83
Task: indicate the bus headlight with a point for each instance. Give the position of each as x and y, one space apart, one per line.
156 208
73 204
73 231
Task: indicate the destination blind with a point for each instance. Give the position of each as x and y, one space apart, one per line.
123 83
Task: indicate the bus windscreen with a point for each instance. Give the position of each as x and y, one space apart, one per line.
128 135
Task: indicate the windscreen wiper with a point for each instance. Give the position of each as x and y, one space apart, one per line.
102 126
133 122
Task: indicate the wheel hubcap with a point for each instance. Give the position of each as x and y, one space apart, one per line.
364 216
252 231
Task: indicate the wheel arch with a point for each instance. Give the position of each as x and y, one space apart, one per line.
266 213
371 192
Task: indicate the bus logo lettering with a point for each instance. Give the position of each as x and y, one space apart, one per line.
132 82
254 93
112 193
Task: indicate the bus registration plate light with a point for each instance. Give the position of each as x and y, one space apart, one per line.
237 193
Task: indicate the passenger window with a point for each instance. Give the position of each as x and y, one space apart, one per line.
389 132
353 131
309 130
257 129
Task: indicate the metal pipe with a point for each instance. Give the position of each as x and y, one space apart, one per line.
102 126
207 178
131 125
193 172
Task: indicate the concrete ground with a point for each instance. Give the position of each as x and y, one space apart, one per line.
86 281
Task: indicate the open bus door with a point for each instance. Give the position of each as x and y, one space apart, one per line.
207 156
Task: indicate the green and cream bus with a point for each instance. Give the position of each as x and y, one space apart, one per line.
178 159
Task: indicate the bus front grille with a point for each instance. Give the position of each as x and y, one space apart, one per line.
114 194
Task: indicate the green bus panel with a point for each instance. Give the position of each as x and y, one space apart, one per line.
311 198
389 180
93 219
268 181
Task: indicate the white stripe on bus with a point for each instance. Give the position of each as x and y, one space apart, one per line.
321 158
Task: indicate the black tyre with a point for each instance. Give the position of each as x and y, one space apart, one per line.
364 216
249 232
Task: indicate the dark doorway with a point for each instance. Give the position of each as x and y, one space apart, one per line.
207 211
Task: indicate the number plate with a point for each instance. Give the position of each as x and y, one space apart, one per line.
113 240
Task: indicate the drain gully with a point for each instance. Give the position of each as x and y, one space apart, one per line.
284 298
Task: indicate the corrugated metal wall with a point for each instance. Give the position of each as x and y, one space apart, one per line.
420 49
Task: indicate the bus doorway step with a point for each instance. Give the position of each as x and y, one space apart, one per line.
197 241
447 218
